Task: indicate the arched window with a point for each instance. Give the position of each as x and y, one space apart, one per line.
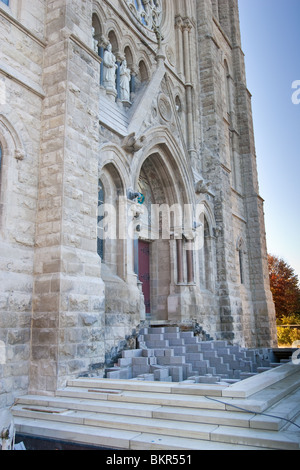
241 265
241 259
178 105
128 57
143 72
97 26
100 238
227 88
110 240
206 258
113 41
143 76
149 12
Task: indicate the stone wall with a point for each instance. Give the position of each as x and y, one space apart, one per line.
21 99
188 127
68 322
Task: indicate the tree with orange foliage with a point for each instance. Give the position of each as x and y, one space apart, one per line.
284 287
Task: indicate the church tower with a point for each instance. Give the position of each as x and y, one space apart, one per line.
129 190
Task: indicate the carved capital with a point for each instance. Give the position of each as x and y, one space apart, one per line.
19 154
178 22
187 25
103 41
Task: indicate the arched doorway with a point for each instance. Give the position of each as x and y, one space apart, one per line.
161 228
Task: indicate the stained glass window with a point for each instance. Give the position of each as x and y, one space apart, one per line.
149 12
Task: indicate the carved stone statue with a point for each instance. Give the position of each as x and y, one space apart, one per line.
125 77
95 41
110 66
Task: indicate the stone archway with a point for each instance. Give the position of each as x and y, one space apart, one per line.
160 229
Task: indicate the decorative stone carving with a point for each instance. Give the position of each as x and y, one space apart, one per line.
132 144
202 187
170 56
19 154
164 107
125 77
217 231
147 12
95 41
110 67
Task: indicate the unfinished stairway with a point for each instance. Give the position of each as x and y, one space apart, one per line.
142 415
169 354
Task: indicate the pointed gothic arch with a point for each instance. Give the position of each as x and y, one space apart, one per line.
206 251
110 244
162 176
241 249
12 151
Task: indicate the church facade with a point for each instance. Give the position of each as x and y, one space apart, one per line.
129 191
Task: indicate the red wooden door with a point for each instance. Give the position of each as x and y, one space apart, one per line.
144 271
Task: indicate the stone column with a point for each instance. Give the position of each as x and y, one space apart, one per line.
190 262
179 39
179 248
187 27
68 300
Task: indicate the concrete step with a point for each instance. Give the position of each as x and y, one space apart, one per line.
62 405
121 422
114 439
144 386
165 427
128 413
98 405
148 398
135 401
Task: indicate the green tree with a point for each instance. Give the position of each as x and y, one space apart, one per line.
285 288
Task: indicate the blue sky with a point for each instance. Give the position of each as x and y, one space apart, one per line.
270 32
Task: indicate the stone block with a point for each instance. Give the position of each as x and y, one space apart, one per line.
124 362
140 369
148 353
156 331
161 374
132 353
176 374
140 361
172 329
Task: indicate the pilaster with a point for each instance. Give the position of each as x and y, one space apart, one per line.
67 324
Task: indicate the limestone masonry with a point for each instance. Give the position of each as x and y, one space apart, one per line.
128 185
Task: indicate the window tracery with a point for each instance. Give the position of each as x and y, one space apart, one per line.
148 12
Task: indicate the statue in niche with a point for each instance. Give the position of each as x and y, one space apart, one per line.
125 77
110 67
95 41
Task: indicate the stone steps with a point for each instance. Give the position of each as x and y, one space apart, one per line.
114 439
136 414
207 412
193 358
